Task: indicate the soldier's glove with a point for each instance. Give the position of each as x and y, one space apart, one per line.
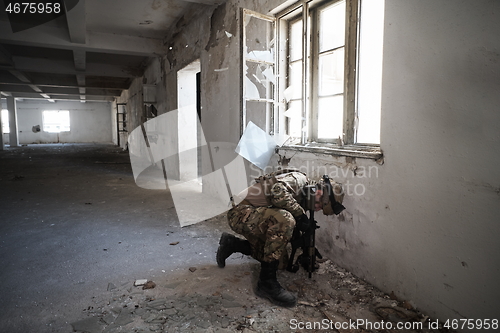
302 222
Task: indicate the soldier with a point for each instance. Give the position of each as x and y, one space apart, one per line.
266 216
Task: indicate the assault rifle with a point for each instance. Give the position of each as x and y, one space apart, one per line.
305 239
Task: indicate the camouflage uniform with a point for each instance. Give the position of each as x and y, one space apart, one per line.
269 228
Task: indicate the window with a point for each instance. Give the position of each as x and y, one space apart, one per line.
5 121
326 60
259 71
56 121
315 105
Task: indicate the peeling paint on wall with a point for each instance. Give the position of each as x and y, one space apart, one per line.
216 23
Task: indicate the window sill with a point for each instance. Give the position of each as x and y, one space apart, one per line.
370 152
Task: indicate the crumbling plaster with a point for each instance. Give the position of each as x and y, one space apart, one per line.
210 34
426 224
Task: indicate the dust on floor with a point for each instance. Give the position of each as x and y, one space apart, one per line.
210 299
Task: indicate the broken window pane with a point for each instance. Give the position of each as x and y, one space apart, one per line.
259 81
259 39
259 113
259 78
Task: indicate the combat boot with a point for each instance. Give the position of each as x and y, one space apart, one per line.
269 287
230 244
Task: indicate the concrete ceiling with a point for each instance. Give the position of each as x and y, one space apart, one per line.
91 52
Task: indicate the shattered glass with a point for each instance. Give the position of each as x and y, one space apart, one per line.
256 146
259 39
259 80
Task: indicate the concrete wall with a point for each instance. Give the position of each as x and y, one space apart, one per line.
440 135
424 223
89 122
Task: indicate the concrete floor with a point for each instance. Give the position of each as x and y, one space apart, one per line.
76 232
73 220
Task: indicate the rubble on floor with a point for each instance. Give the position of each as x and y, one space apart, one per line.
210 299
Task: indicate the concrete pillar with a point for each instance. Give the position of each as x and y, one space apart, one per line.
11 106
2 144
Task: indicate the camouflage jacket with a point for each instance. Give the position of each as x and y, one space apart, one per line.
282 191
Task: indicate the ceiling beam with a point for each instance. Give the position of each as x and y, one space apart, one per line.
5 57
49 81
48 36
79 57
76 97
81 80
23 78
61 91
42 65
35 88
77 25
20 76
80 65
43 86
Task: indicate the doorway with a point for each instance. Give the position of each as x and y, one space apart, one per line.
189 107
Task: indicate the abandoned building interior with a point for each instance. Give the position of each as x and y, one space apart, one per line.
128 125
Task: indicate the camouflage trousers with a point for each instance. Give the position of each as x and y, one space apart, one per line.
268 230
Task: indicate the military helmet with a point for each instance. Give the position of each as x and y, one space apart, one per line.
333 195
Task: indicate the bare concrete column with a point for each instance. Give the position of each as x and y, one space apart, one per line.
2 144
11 106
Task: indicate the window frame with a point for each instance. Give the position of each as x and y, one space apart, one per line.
310 49
270 121
282 16
314 75
46 124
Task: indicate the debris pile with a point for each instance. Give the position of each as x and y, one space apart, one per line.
210 299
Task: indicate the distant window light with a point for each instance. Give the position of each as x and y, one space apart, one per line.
5 121
56 121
